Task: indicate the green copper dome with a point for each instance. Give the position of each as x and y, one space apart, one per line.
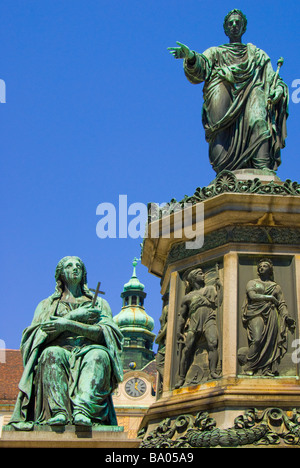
134 318
133 315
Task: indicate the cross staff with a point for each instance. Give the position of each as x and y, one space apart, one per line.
96 294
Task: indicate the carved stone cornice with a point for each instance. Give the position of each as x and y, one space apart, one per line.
227 182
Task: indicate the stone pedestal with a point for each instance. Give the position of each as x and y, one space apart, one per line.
67 437
247 216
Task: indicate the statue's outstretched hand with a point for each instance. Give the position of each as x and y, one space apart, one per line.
181 52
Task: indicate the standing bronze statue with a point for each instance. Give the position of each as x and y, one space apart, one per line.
245 102
197 321
71 355
265 317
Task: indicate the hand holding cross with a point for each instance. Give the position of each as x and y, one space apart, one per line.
96 294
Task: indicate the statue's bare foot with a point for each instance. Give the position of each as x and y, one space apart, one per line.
82 420
60 419
215 375
179 383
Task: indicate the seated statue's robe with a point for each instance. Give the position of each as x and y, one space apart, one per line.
71 373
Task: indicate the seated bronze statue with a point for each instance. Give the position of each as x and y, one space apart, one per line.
71 355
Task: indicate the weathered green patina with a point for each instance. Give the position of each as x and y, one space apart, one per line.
265 317
245 101
196 321
251 429
71 355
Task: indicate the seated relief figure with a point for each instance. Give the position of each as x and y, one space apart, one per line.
71 355
266 320
197 321
245 101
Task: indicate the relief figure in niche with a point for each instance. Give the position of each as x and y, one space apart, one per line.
197 326
266 319
161 341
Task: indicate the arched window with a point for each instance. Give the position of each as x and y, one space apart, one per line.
133 300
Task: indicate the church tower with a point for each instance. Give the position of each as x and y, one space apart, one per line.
136 325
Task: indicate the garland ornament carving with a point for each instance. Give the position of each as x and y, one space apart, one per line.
271 426
225 182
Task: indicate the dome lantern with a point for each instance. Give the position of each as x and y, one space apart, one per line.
135 324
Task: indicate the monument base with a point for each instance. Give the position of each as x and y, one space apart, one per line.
249 217
239 412
67 437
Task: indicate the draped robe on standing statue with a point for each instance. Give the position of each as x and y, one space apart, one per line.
265 356
240 130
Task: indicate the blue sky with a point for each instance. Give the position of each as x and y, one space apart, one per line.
95 108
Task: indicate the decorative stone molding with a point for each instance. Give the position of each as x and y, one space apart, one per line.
226 182
268 427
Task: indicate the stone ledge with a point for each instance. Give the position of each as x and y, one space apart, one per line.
227 393
67 437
